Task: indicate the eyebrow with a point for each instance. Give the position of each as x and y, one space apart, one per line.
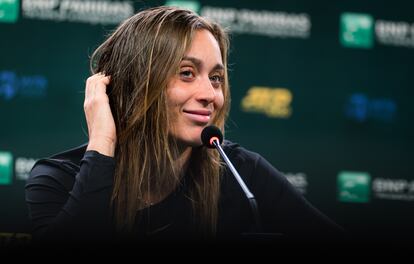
199 64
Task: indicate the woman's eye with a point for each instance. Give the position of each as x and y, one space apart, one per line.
217 79
187 74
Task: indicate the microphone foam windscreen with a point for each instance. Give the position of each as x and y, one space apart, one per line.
210 132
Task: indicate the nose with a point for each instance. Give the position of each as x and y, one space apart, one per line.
206 92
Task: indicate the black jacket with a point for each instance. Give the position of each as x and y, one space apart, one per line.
68 196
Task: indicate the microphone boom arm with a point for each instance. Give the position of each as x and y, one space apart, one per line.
249 195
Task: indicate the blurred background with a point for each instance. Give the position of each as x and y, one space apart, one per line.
321 89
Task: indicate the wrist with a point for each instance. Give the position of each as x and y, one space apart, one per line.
102 145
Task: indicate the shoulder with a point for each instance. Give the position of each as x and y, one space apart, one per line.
251 164
238 153
73 155
59 168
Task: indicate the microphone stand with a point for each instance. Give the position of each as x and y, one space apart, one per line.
249 195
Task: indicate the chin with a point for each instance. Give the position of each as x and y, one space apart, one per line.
189 137
193 142
189 141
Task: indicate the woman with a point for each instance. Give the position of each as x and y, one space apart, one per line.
158 80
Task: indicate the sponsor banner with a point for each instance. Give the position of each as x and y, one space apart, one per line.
299 180
360 108
393 189
191 5
92 12
358 187
255 22
12 85
9 11
273 102
354 186
22 167
358 30
395 33
6 167
261 22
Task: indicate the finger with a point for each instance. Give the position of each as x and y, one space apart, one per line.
100 79
106 79
96 83
101 84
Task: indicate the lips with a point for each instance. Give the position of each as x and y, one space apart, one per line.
199 116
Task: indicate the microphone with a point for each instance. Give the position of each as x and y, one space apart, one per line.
212 137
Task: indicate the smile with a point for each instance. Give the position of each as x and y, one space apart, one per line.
199 116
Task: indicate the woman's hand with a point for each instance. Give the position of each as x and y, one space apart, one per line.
101 125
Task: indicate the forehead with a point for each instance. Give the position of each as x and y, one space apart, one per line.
205 47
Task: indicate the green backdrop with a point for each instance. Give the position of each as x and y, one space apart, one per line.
322 89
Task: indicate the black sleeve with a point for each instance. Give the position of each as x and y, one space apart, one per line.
283 209
69 202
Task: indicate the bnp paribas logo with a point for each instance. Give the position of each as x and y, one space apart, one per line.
6 167
356 30
191 5
354 187
9 11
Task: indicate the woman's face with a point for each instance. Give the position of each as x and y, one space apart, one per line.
195 93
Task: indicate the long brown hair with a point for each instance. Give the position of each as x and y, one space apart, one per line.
141 56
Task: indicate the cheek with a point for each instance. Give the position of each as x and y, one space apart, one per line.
219 100
173 99
176 94
173 111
